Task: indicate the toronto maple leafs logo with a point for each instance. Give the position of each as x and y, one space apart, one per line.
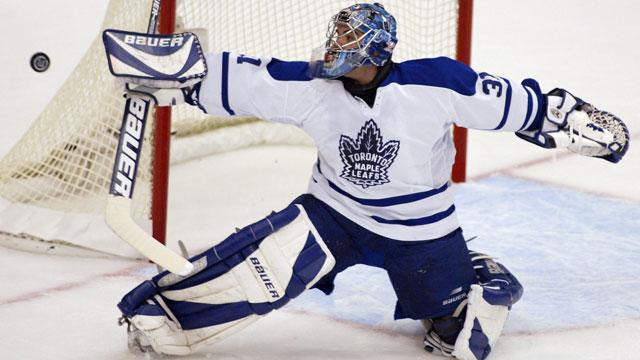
367 158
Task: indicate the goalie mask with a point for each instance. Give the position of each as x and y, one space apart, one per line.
362 34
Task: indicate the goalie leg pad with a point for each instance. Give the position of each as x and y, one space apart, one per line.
488 306
252 272
472 331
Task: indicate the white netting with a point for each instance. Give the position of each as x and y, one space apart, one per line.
67 154
54 182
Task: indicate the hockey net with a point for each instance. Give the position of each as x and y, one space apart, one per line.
54 182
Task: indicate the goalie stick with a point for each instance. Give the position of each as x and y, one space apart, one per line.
125 168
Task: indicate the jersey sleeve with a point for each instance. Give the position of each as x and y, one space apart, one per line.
267 88
491 102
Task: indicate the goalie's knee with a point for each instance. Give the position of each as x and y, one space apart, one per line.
488 306
474 328
252 272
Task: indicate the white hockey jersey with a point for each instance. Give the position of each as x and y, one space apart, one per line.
385 167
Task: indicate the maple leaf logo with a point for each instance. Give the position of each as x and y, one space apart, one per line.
367 159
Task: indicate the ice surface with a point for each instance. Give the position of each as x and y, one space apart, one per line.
566 225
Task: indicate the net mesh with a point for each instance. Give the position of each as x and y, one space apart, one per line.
64 161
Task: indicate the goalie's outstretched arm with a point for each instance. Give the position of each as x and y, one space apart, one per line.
224 84
557 119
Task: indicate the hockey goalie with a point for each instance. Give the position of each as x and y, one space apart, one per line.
379 194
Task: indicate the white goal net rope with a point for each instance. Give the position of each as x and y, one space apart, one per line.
54 182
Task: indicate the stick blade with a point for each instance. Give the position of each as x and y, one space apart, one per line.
119 220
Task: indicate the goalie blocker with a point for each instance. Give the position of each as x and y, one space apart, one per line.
159 61
167 69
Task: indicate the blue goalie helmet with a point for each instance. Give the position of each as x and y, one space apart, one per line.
362 34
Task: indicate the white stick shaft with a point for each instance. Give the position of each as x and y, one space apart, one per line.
118 217
118 212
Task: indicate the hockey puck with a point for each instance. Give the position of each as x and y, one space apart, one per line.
40 62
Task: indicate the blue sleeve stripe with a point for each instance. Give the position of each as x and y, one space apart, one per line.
539 110
225 83
288 70
418 221
507 106
529 108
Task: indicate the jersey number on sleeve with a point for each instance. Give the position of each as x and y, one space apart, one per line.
491 84
246 59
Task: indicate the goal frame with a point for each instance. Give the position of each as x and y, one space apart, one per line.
162 136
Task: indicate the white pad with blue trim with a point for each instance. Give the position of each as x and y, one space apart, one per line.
252 272
487 308
157 61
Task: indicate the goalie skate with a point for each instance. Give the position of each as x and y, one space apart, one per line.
137 341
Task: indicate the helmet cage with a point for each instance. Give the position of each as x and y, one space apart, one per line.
362 34
352 41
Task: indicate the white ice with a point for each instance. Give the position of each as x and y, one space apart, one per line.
566 225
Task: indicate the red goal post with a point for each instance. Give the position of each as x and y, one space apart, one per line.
463 54
162 142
